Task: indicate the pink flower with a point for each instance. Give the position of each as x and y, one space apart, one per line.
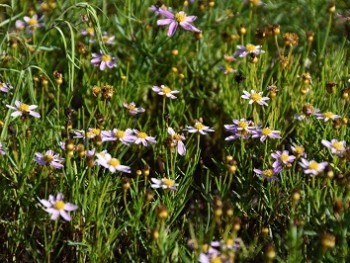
177 141
165 91
133 110
103 61
23 109
56 207
312 167
49 159
174 21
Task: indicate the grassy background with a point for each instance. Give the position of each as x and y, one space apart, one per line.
118 219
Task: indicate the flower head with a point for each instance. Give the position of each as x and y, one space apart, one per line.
174 20
298 150
240 129
164 183
312 167
144 138
89 31
243 51
199 127
177 141
49 158
57 207
255 97
103 61
91 133
124 136
282 159
264 133
326 116
336 147
133 110
30 23
5 87
165 91
112 164
23 109
268 174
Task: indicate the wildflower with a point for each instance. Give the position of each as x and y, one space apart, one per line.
49 159
240 128
228 244
133 110
227 69
31 23
336 147
177 141
106 160
199 127
265 133
103 60
326 116
164 183
5 87
91 133
126 137
253 2
2 150
174 21
312 167
254 97
165 90
56 207
23 109
268 174
89 31
142 137
298 150
108 40
282 158
243 51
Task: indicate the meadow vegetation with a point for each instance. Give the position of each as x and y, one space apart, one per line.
174 131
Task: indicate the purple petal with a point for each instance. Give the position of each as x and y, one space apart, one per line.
172 29
164 22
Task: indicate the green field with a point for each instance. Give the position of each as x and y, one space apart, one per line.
174 131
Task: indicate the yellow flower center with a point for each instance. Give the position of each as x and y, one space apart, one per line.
199 126
168 182
180 17
299 149
284 157
313 165
250 48
131 106
23 107
229 69
32 22
114 162
243 124
328 114
229 242
48 158
268 173
255 97
266 131
166 90
177 137
59 205
142 135
338 146
215 260
120 134
90 30
106 58
93 133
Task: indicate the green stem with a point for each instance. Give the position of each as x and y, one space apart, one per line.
327 34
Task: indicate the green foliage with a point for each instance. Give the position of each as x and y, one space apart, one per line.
304 70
